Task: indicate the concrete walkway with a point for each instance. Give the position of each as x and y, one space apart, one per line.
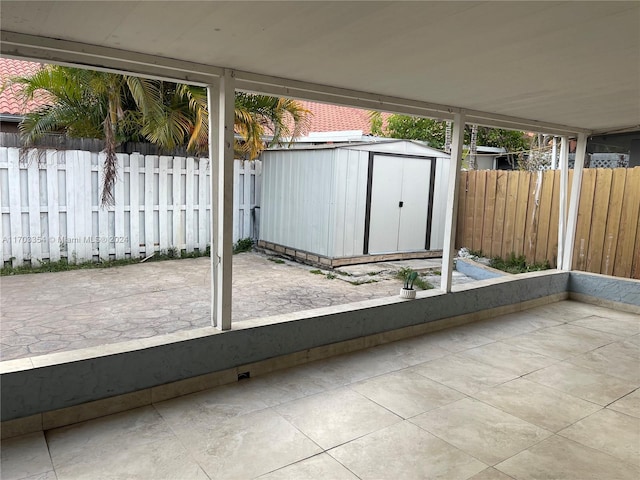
52 312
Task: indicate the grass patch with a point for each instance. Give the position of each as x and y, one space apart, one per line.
330 276
63 265
276 260
518 264
362 282
243 245
316 272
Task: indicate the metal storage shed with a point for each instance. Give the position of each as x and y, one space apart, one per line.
336 205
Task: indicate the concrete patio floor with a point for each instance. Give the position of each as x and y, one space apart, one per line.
53 312
551 392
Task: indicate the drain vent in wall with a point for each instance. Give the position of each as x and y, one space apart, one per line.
244 375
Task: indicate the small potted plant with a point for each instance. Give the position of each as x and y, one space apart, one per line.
407 290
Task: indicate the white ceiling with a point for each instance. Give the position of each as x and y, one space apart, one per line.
568 63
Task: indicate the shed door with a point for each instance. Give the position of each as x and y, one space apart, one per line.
399 204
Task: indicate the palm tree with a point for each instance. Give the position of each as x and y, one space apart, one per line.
119 108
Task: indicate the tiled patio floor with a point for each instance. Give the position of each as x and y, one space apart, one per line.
550 393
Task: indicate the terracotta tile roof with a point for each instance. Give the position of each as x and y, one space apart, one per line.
334 118
323 118
11 101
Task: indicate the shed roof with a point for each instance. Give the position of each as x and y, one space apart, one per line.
406 147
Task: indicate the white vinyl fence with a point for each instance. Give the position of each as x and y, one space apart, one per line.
50 206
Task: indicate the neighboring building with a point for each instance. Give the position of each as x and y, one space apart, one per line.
12 107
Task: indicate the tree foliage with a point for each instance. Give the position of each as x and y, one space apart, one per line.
121 108
433 132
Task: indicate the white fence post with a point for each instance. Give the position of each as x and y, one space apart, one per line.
51 210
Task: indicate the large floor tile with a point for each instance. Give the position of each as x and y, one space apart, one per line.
458 339
336 417
349 368
628 348
561 458
491 474
134 427
565 311
319 467
562 341
406 393
582 382
611 432
629 404
463 373
510 325
413 351
24 456
508 357
404 451
283 386
247 446
211 406
165 458
617 326
485 432
546 407
606 361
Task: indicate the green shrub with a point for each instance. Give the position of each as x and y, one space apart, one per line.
243 245
517 264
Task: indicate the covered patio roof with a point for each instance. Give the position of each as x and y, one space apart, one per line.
553 66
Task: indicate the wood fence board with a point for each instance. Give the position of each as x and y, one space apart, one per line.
583 225
522 203
178 234
628 224
103 214
163 201
203 186
544 219
15 208
510 214
502 183
489 212
479 209
462 203
619 176
246 209
149 243
599 219
635 267
533 216
469 210
35 230
119 234
552 242
53 208
190 205
134 207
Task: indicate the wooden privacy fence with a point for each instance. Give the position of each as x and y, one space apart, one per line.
504 212
49 205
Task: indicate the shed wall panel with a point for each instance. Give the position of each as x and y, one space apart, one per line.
350 184
297 204
439 203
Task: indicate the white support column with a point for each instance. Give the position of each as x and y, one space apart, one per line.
213 93
554 153
451 215
572 217
221 118
564 185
